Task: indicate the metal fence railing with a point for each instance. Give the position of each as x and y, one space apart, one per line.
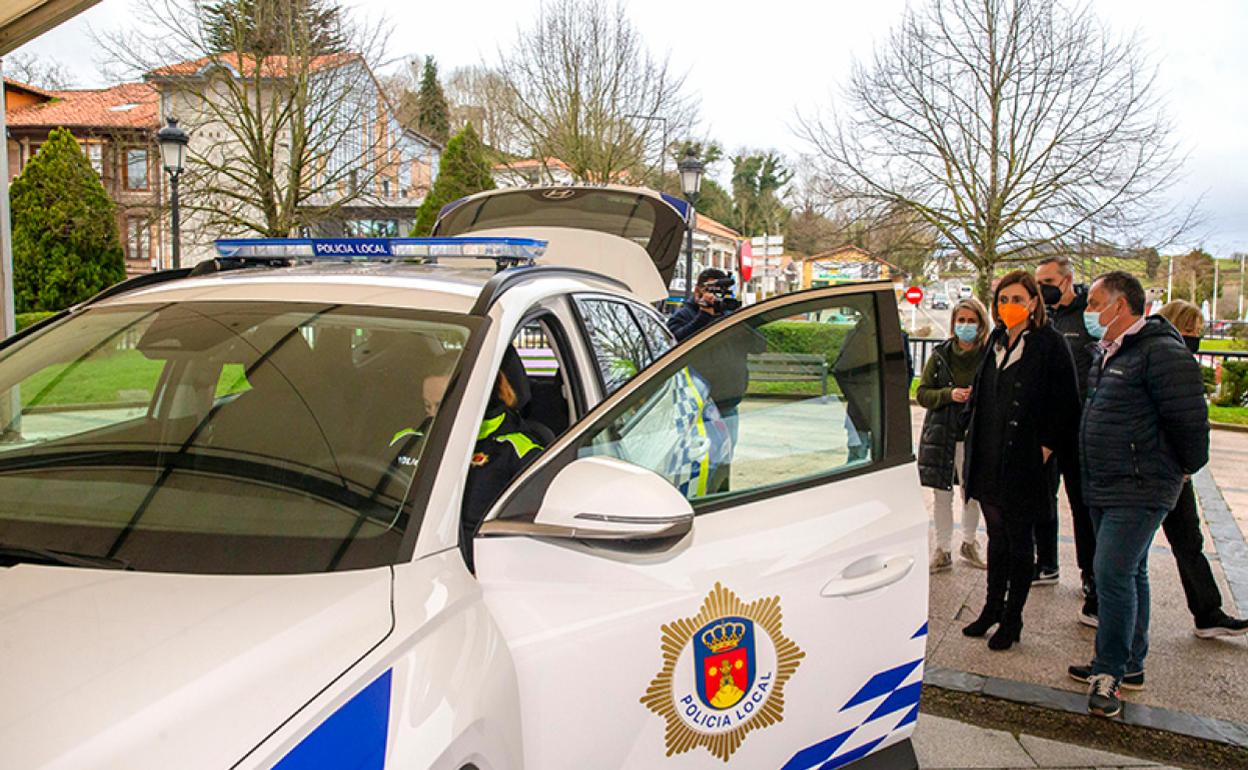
921 349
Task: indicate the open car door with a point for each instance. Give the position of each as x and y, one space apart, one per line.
724 560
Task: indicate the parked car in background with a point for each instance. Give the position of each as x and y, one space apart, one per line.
939 301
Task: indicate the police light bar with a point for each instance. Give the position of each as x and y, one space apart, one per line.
381 249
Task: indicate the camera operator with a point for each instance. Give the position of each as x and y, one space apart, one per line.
711 300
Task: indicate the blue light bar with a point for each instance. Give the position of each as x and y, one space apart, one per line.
381 249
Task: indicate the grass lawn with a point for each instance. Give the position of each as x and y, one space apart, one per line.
1220 345
125 376
1235 415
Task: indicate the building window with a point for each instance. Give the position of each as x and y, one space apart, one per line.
136 169
95 154
385 188
371 228
31 151
138 246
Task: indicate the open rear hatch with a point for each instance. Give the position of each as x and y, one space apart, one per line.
638 238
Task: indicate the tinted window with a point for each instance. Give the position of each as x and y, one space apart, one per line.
618 344
222 437
658 338
772 400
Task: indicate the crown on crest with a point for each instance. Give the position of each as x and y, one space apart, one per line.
723 636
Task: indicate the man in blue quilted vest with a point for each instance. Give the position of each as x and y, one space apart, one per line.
1145 427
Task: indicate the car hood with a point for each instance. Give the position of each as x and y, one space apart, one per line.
109 669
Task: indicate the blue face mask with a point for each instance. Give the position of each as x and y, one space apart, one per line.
1092 322
966 332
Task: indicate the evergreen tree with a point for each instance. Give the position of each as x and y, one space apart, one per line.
465 169
433 113
65 241
274 27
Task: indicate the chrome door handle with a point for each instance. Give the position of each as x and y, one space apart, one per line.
894 569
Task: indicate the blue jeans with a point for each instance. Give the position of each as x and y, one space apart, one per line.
1123 537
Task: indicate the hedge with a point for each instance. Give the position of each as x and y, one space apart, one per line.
1234 384
27 319
805 337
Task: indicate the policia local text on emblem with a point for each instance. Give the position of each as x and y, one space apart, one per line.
723 674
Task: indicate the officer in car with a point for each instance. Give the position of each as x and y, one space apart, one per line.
709 303
506 442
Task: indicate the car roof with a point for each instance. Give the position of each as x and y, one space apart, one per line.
382 284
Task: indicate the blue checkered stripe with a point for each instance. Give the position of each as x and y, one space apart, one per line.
888 702
685 460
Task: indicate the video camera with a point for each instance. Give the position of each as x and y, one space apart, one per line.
722 288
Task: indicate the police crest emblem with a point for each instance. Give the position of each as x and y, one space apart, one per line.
724 672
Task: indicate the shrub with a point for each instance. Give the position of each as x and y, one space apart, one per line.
29 319
1234 384
464 169
804 337
65 242
1209 377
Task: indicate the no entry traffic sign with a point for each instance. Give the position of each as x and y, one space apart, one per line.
914 295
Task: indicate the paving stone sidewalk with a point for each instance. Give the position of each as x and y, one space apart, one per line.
1207 678
946 744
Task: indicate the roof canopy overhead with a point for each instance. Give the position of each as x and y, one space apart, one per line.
23 20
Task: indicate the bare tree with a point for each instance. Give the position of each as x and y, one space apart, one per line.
480 96
580 80
38 71
1010 127
283 136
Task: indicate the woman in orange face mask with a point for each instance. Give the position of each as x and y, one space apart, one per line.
1024 408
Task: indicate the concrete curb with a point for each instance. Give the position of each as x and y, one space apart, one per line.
1228 539
1230 426
1233 734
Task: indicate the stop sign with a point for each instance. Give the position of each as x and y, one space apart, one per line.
914 295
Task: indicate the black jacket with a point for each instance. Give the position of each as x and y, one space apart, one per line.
505 446
1040 409
1068 321
942 425
1145 422
689 319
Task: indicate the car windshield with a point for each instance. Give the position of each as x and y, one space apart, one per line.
222 437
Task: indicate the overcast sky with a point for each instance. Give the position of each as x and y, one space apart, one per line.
753 65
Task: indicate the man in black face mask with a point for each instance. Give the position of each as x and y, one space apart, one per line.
1066 305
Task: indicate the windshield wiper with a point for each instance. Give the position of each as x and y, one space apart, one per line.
22 553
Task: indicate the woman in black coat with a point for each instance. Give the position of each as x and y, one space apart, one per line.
1024 407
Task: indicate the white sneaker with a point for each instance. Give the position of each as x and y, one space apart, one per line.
941 560
970 554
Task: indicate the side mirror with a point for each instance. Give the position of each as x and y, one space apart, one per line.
602 498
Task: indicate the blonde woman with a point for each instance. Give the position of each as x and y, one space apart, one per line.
944 389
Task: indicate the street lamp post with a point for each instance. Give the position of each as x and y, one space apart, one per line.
690 183
173 140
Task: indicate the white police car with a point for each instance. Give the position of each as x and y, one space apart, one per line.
230 512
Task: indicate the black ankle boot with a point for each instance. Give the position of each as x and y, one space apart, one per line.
1006 636
979 627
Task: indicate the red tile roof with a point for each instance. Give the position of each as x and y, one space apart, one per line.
707 225
271 66
534 163
129 105
28 88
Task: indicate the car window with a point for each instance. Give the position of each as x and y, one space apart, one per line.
618 344
657 336
769 401
222 437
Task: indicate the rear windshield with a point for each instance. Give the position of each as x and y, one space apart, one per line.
222 437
